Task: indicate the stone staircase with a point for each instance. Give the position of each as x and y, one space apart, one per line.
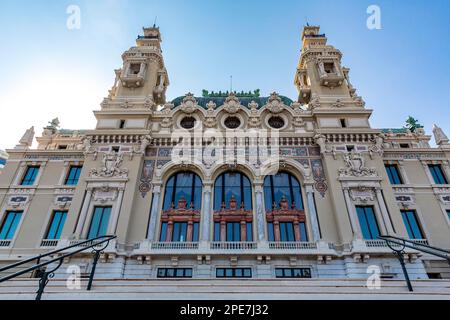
243 289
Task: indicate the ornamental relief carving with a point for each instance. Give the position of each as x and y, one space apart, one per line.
112 162
275 105
362 194
189 104
355 166
232 104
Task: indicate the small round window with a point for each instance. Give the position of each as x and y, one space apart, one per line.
276 122
188 122
232 122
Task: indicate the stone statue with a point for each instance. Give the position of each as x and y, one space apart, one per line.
320 140
145 142
27 139
86 144
439 136
54 124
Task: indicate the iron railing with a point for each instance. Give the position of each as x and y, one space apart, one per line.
398 246
45 275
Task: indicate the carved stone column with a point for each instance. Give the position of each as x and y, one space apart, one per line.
353 217
83 213
401 167
206 216
427 171
116 213
312 213
260 212
154 213
384 212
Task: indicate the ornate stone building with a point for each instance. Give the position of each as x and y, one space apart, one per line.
230 184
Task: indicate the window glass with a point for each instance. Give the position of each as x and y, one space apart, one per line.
217 231
411 224
368 223
249 230
195 232
163 235
30 176
270 231
183 185
282 186
99 223
303 233
393 174
437 173
73 176
9 226
232 185
56 225
179 232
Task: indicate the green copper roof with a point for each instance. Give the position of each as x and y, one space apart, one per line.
394 130
219 101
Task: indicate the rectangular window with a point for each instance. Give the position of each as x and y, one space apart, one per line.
411 224
195 231
174 273
287 232
249 231
30 176
437 173
99 223
179 233
9 225
233 231
233 273
163 234
448 214
270 231
368 222
217 231
293 273
56 225
303 234
73 176
393 174
328 67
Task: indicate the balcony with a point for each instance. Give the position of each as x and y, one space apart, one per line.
233 245
293 245
132 80
174 245
47 243
5 243
379 246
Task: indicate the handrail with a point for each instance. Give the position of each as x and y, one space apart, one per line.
445 255
46 275
399 250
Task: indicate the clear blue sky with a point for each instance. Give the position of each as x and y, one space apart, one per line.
48 71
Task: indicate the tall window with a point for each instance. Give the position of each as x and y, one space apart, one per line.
448 214
233 214
284 208
411 224
232 185
282 186
437 173
393 174
30 176
56 225
73 176
180 218
9 225
183 185
368 222
99 223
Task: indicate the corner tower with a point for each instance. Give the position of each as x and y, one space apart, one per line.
320 72
143 74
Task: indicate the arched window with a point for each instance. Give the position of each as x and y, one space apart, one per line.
285 214
180 219
183 185
233 216
232 185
